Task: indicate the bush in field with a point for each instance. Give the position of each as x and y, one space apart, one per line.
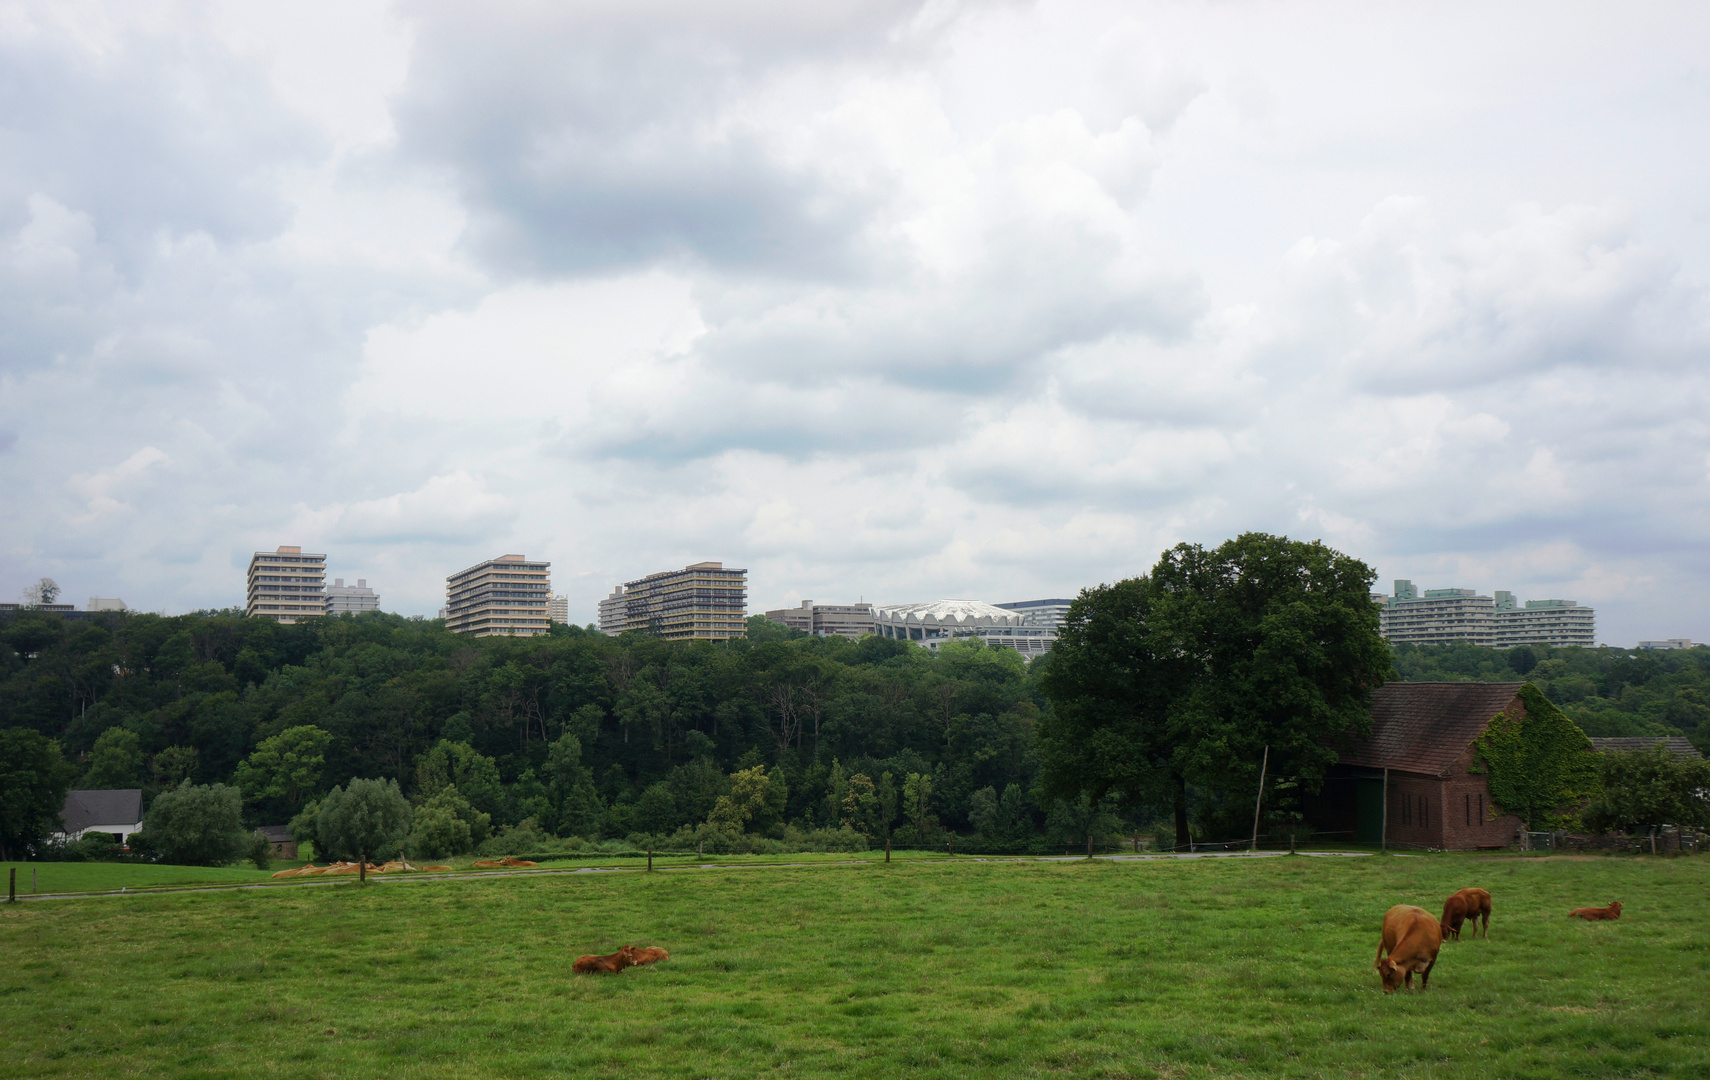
197 825
368 820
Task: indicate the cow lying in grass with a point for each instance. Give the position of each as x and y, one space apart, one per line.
651 954
1412 938
1598 914
605 965
1466 904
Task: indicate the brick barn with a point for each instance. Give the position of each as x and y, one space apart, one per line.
1422 735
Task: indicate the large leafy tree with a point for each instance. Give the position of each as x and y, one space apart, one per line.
197 825
33 781
1642 789
367 820
115 761
1187 675
287 767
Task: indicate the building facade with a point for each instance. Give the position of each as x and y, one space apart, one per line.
1049 613
502 596
940 622
705 601
1413 782
286 585
825 620
1542 622
1670 643
1455 616
558 608
355 599
614 617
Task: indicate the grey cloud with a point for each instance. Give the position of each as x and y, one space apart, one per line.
588 137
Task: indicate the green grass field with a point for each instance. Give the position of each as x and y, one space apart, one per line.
922 968
60 877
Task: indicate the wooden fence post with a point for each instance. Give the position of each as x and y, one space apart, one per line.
12 889
650 860
1089 845
887 849
1383 837
1261 798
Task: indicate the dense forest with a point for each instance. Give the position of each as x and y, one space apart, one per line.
1607 692
581 734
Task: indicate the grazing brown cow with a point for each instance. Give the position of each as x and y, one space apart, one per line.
1466 904
605 965
651 954
1598 914
1412 938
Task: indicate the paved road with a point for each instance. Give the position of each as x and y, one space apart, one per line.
474 875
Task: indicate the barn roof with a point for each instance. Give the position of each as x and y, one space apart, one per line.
1677 745
83 809
1423 727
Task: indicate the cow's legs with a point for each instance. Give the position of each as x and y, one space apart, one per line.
1425 976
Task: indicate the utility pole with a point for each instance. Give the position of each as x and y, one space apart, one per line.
1263 765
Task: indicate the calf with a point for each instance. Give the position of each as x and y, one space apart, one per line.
1598 914
1466 904
651 954
1412 938
605 965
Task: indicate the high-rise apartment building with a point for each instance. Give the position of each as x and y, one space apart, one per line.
506 595
286 585
1543 622
352 598
1452 616
614 613
824 620
557 608
702 602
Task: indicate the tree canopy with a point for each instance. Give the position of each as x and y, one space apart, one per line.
33 781
1186 676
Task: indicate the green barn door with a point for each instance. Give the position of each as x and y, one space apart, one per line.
1368 811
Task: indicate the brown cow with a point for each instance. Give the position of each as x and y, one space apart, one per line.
1412 938
1466 904
1598 914
605 965
651 954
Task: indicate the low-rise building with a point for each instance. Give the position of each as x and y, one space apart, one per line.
1678 745
705 601
502 596
286 585
342 598
101 603
1670 643
940 622
117 811
825 620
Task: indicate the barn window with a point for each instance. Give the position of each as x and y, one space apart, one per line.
1469 808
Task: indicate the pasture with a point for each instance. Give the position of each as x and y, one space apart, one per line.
946 968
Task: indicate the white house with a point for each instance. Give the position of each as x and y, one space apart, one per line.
118 812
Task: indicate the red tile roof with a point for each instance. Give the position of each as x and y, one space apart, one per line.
1423 727
1677 745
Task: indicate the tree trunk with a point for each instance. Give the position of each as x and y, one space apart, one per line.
1183 840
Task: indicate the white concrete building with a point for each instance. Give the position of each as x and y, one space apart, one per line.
352 598
1454 616
1041 612
287 585
939 622
1670 643
557 608
101 603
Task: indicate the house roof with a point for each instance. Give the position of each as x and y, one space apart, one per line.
1423 727
1678 745
84 809
274 834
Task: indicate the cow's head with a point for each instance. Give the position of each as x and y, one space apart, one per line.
1615 908
628 953
1394 975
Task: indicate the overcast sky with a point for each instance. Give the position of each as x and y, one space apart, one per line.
876 299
